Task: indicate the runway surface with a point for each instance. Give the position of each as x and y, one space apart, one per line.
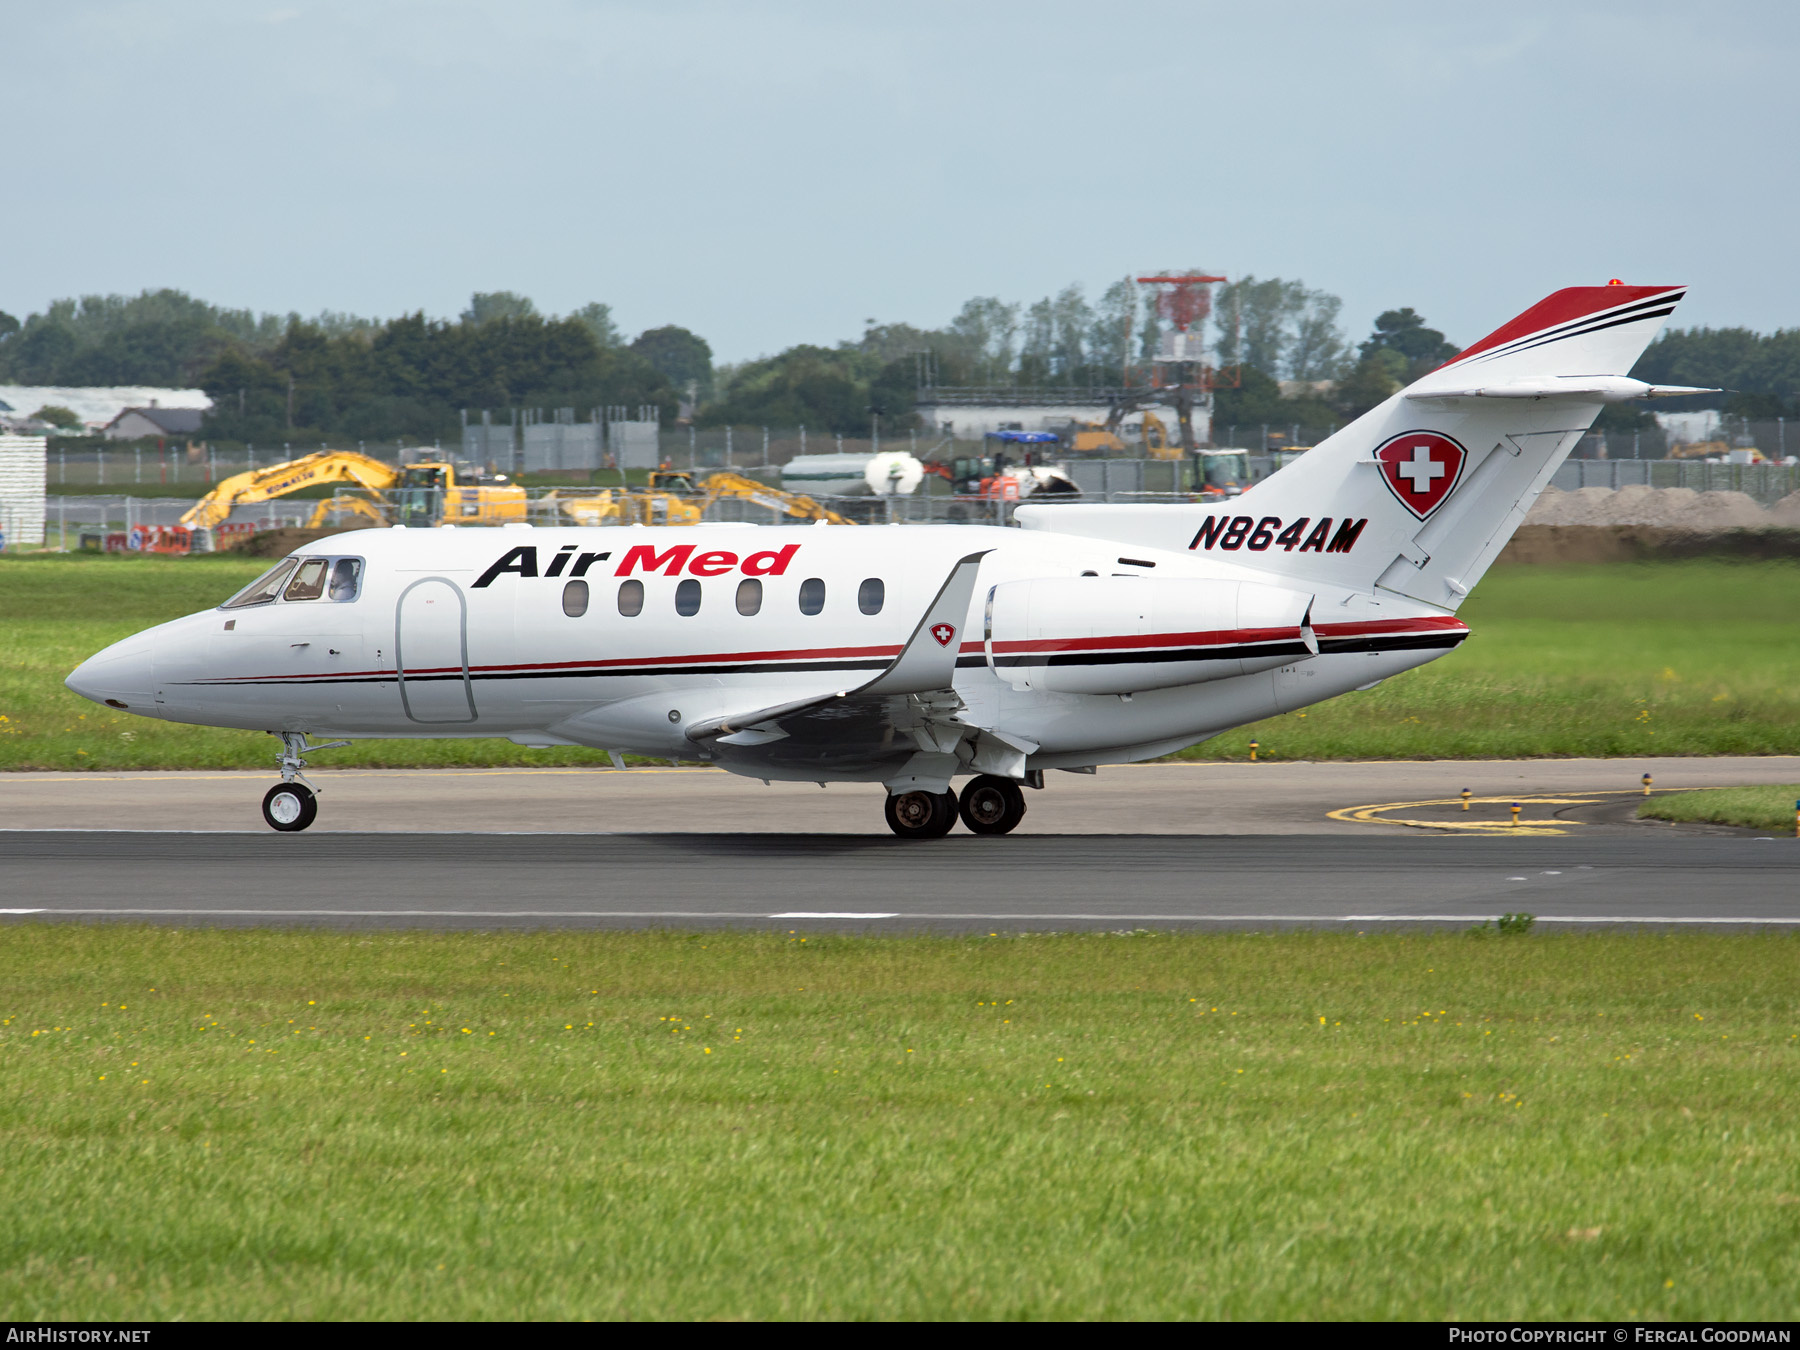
875 883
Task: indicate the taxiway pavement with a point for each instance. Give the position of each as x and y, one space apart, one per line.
1149 846
1174 798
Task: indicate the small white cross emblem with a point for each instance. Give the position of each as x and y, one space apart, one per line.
1422 469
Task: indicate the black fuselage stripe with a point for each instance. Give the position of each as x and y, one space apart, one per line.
456 676
1174 655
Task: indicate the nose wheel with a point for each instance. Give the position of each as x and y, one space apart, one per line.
290 806
293 804
921 815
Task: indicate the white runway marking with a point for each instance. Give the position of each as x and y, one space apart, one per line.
89 911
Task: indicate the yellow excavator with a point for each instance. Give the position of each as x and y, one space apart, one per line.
676 497
430 492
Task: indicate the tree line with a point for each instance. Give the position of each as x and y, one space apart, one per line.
275 378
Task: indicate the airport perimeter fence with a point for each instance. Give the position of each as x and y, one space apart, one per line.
589 450
140 469
87 510
69 516
1767 483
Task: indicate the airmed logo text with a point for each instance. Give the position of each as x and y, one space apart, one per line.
647 558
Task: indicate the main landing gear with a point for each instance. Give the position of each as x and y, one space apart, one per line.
989 805
293 803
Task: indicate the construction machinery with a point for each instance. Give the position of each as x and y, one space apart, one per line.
996 477
1157 444
1224 473
1699 450
431 492
678 497
1092 438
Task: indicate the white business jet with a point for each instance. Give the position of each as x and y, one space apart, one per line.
915 656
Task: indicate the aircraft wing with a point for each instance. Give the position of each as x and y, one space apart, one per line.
924 670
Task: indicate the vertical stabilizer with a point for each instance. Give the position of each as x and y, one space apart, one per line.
1417 496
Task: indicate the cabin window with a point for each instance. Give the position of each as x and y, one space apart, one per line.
749 596
631 598
308 582
575 599
812 595
346 580
870 594
687 598
265 588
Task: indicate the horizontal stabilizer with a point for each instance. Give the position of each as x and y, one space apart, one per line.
1588 388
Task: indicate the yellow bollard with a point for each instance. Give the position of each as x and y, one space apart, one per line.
1647 781
1516 808
1253 752
1466 794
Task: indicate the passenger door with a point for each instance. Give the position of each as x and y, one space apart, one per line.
431 653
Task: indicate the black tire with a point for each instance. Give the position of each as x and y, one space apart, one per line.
991 805
290 806
921 815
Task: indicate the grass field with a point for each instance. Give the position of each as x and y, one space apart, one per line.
1692 657
1759 808
1678 658
209 1124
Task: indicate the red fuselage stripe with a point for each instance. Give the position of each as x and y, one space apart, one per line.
1123 642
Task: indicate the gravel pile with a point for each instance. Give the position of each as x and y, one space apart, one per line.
1670 508
1786 512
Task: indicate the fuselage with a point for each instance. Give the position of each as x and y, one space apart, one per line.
623 638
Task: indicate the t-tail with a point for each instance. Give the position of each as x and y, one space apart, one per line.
1418 495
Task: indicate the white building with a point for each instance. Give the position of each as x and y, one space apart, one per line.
135 424
98 405
22 491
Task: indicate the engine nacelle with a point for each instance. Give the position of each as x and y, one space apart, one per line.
1118 635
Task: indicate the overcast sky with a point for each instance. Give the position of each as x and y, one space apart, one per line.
774 173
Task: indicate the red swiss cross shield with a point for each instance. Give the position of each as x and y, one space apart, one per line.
1421 467
943 632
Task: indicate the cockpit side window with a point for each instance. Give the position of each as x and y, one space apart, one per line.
346 580
265 588
308 582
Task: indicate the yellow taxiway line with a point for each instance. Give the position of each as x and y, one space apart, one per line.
1376 815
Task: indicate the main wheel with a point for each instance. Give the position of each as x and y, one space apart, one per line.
921 815
290 806
992 805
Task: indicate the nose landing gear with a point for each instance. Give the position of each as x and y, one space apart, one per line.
293 803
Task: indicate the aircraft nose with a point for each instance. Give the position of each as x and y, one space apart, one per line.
121 676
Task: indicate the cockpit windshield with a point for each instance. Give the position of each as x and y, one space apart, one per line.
303 579
265 588
308 582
